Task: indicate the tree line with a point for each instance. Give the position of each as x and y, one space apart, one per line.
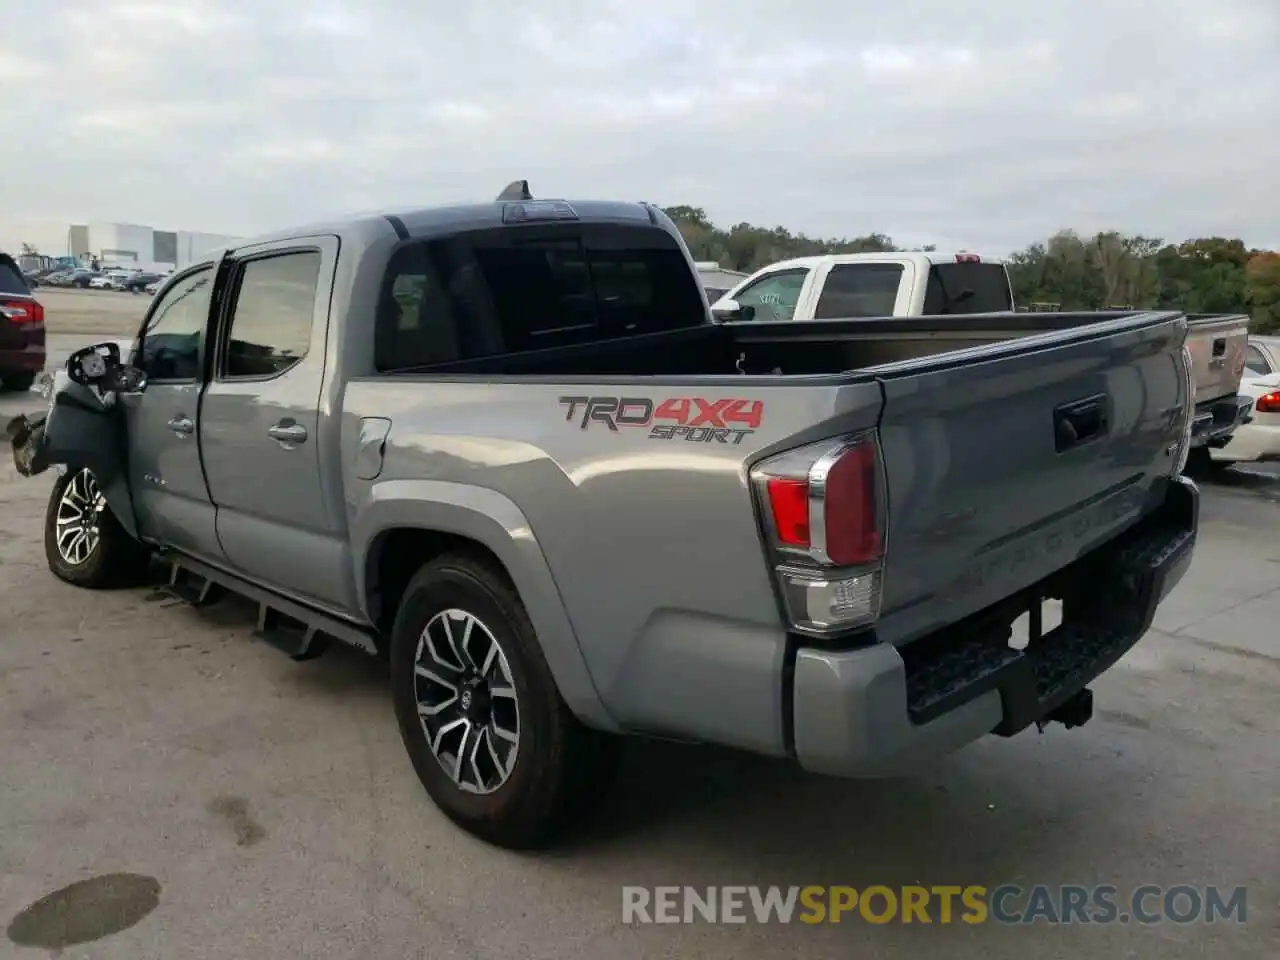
1068 271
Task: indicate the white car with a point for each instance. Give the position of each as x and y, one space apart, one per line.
1259 439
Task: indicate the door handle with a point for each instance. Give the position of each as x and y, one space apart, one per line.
182 425
288 431
1079 422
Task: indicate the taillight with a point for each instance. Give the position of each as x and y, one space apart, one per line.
823 511
22 311
1268 402
1188 413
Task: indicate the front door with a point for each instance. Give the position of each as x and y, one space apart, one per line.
171 501
260 428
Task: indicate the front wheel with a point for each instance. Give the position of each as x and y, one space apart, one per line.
84 543
489 735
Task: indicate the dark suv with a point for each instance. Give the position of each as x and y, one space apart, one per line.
21 329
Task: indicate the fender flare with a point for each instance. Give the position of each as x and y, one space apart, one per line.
494 521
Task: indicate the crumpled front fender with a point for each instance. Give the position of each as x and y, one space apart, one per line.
26 439
80 429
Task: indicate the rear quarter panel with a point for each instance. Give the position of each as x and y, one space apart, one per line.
652 539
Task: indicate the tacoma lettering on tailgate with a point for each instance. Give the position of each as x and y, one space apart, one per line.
692 419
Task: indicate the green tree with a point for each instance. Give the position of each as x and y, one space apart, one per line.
1263 289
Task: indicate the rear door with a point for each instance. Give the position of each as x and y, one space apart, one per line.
875 288
1006 462
171 501
260 424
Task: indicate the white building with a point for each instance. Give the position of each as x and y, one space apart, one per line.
112 244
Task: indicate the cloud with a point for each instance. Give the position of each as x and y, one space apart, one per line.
926 120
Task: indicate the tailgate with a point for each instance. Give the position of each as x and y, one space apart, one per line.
1004 463
1217 344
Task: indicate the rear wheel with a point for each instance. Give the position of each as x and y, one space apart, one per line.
84 543
17 382
489 735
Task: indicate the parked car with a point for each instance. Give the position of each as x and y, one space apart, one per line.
1259 439
22 333
527 493
1262 356
82 278
138 282
871 286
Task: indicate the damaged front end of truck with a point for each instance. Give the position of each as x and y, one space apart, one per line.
82 427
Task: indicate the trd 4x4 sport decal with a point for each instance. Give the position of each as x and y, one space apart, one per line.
692 419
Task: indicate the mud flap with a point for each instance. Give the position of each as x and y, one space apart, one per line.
78 431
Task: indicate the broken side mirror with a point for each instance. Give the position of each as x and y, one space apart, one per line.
727 310
92 366
100 366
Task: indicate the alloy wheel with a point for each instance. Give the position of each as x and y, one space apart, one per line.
467 701
79 518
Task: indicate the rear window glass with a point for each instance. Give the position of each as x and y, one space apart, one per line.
959 288
495 292
859 290
11 279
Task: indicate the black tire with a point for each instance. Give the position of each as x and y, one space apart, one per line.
116 559
17 382
561 767
1201 461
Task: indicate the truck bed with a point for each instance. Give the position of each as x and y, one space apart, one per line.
788 348
1012 445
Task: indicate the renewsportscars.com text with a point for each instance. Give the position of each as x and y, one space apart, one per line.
1007 904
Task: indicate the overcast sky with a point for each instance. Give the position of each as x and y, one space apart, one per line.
985 124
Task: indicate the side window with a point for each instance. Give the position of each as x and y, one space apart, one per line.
859 290
170 345
1255 362
271 321
774 296
11 278
489 293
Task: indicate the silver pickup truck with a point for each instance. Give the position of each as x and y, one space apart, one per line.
505 447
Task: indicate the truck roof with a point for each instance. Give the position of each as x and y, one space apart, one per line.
920 258
454 218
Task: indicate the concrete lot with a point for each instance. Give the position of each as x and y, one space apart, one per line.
92 313
275 812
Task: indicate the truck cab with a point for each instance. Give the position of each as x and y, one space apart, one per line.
851 285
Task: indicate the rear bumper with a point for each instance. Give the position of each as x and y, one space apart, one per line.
1251 443
1215 420
29 360
885 711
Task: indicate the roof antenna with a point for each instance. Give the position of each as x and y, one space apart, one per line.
516 190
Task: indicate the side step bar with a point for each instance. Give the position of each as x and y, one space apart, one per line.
299 631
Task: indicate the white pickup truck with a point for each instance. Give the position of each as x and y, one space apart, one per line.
842 286
871 286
